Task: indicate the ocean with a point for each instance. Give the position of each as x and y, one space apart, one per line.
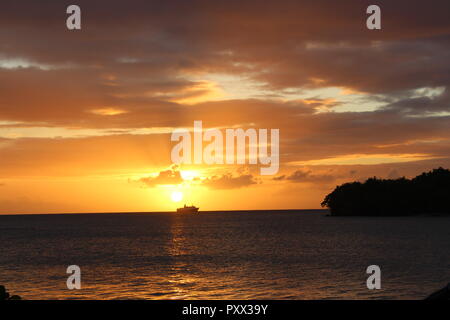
301 254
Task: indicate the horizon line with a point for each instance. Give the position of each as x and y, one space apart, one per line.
144 212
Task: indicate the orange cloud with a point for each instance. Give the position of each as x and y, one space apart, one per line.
228 181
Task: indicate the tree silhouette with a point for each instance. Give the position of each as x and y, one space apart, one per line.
4 295
427 193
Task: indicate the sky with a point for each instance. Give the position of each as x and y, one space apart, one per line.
86 115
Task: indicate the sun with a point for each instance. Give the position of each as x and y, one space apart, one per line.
177 196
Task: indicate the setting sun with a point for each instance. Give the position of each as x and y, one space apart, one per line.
177 196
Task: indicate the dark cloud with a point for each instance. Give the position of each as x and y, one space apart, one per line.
228 181
434 102
282 43
138 56
305 175
171 176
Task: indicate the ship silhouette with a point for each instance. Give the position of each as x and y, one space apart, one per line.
188 209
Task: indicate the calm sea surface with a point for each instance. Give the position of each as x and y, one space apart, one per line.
223 255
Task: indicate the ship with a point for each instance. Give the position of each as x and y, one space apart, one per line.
188 209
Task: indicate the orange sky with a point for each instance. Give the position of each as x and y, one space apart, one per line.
86 116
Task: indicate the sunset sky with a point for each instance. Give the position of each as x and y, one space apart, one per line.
86 116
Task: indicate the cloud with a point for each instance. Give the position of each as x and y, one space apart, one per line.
228 181
306 137
423 101
302 175
171 176
163 65
160 52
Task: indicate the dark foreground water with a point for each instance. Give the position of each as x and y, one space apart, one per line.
223 255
